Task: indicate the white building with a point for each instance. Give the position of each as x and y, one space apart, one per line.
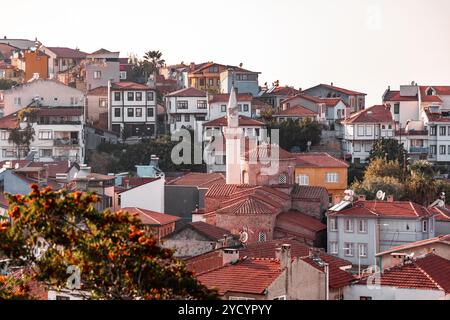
57 135
363 128
62 59
186 108
132 109
217 105
49 93
148 195
421 278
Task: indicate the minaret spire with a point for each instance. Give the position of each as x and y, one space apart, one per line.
233 135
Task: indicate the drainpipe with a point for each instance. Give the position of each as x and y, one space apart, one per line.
109 107
327 280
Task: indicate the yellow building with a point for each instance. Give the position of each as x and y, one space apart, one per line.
322 170
206 77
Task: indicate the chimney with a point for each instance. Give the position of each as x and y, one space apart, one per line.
284 255
362 197
332 84
230 256
191 66
390 198
225 240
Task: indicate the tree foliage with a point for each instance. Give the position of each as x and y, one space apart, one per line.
6 84
150 64
116 257
388 149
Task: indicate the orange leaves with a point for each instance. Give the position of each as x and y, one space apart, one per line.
4 226
15 213
135 232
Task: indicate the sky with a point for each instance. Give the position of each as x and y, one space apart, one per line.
363 45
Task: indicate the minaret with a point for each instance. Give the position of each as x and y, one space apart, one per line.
233 135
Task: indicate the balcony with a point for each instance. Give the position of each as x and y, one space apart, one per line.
418 150
66 142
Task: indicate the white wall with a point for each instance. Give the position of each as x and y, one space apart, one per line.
215 109
354 292
149 196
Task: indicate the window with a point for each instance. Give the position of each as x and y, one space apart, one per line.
211 82
45 134
187 118
282 179
433 149
240 107
348 225
150 112
360 130
119 200
362 226
334 247
117 112
245 107
367 146
442 149
97 74
448 149
368 130
138 96
182 104
8 153
333 224
130 96
280 298
362 250
62 298
397 108
123 75
201 104
432 130
17 101
223 108
150 96
73 101
349 249
130 112
103 103
442 130
138 112
214 69
116 96
430 92
357 146
303 180
178 117
332 177
425 226
45 153
4 135
262 237
240 298
365 298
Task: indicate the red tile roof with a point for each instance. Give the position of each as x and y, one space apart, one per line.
427 273
152 218
441 239
311 193
197 179
188 92
285 91
9 122
396 209
243 122
440 90
332 102
374 114
128 85
210 231
248 205
295 111
99 91
225 97
251 276
302 220
319 160
395 96
436 116
264 152
302 96
443 214
133 182
63 52
52 167
342 90
338 278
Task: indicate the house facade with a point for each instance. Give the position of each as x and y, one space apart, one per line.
358 231
354 99
244 81
132 109
61 59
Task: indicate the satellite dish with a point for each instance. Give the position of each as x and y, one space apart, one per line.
243 237
380 195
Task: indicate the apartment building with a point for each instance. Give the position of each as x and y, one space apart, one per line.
354 99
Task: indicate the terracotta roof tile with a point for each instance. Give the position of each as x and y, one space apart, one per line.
264 152
308 192
396 209
443 214
374 114
436 116
342 90
99 91
295 111
225 97
198 179
251 276
188 92
243 122
210 231
248 205
301 219
394 95
319 160
149 217
128 85
441 239
64 52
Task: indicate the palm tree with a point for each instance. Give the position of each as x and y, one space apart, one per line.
154 60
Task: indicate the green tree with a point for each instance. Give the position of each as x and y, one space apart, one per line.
116 257
6 84
154 60
388 149
421 185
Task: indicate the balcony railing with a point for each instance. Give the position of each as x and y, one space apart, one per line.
418 149
66 142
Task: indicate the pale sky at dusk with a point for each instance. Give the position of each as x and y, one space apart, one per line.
364 45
